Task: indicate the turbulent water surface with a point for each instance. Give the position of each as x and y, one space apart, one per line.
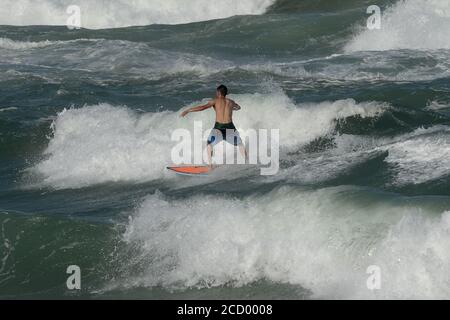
86 118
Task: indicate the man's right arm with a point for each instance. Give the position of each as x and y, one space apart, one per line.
236 107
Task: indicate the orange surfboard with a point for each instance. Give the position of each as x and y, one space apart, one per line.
191 170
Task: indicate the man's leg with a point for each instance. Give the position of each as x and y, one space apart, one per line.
243 151
210 151
237 141
214 138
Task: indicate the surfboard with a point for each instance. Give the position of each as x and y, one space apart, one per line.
191 170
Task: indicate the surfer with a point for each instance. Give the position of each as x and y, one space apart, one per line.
224 128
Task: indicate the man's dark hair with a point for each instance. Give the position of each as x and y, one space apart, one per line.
223 90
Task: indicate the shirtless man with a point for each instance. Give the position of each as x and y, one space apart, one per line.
224 128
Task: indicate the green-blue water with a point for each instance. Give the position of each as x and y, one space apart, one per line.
86 118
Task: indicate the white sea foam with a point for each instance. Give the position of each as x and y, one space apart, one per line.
6 43
102 143
366 66
124 57
437 105
122 13
413 158
420 159
322 240
7 109
409 24
137 59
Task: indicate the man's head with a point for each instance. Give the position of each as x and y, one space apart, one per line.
222 91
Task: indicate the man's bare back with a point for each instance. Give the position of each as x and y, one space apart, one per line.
224 108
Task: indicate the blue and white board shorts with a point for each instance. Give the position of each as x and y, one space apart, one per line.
224 131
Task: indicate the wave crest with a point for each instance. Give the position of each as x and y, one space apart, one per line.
423 25
102 143
322 240
103 14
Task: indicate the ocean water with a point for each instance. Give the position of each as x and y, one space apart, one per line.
86 118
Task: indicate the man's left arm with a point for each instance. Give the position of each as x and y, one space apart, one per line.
199 108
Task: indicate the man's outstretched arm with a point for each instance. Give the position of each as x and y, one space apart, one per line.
199 108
